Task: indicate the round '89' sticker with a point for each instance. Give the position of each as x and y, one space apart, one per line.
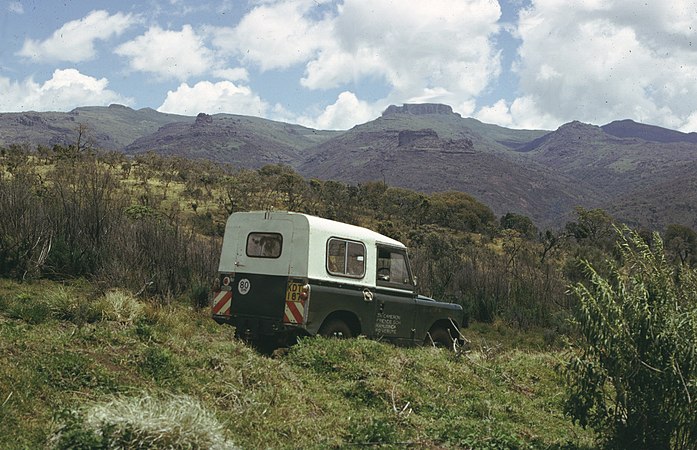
244 286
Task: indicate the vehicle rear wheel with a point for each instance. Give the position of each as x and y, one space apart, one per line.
335 328
265 346
440 337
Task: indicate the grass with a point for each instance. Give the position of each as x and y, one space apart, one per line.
137 369
172 422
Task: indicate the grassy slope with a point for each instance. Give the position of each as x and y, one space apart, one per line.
108 128
60 352
123 125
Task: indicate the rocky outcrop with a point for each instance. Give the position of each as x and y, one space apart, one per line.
30 120
419 109
203 119
407 137
428 140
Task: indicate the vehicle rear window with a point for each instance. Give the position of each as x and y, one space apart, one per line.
345 258
264 245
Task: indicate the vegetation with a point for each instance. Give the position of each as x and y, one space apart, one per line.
105 267
155 224
634 378
177 422
151 374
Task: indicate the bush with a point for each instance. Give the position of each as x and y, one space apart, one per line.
633 377
120 306
160 364
178 422
199 293
65 305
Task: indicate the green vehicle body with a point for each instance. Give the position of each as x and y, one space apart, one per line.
284 275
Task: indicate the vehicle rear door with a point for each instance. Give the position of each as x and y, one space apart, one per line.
261 270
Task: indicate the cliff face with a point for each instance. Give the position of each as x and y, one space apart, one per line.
407 137
420 109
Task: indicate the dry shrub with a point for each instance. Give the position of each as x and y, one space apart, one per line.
174 422
121 306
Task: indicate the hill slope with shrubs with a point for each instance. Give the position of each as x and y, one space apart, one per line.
88 370
105 269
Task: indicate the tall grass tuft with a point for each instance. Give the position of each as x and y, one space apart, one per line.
176 422
122 307
69 306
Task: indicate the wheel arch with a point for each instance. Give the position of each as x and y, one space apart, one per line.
348 317
450 325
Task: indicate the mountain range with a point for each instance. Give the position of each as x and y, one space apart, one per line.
641 174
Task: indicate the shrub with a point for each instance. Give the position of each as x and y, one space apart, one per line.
160 364
633 377
177 422
65 305
199 293
120 306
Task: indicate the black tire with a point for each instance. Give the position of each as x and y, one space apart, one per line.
265 346
440 337
335 328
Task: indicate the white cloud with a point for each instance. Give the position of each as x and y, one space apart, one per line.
438 51
15 7
522 113
598 61
66 90
74 41
498 113
211 98
417 48
275 35
690 124
343 114
236 74
169 54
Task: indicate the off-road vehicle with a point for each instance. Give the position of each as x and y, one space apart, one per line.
285 274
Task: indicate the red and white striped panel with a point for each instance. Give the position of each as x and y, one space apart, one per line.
221 303
295 313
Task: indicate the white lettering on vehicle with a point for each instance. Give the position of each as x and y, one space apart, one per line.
387 323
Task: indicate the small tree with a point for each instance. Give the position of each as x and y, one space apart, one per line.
681 243
634 376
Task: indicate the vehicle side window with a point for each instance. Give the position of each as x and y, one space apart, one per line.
345 258
264 245
393 268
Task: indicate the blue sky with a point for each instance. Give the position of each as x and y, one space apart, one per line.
334 64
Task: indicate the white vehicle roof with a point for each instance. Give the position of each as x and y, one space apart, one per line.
304 240
345 230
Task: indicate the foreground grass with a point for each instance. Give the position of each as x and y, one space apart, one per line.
73 358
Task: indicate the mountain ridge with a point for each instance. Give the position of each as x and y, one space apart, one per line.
425 147
629 129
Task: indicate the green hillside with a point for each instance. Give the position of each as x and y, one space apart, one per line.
106 265
422 147
70 353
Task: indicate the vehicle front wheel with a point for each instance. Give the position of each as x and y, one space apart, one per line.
335 328
440 337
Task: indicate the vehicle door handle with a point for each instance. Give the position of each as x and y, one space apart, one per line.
367 295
